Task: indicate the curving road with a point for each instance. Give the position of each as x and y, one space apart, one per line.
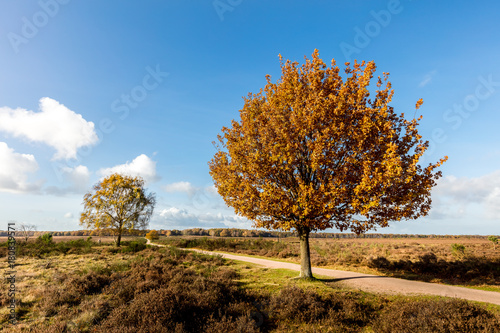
373 283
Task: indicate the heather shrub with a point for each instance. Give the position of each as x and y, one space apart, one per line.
157 294
494 240
170 290
71 291
168 306
133 246
428 265
458 250
379 262
4 251
242 324
296 303
341 311
89 284
4 299
58 327
79 243
44 245
53 297
248 246
431 316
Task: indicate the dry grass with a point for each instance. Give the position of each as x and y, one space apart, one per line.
427 259
169 290
97 291
58 239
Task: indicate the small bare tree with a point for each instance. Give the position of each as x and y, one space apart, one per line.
27 230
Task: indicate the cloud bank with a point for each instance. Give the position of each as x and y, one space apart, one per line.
452 196
141 166
180 218
184 187
14 170
56 126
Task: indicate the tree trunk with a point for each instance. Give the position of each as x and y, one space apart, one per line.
305 255
118 241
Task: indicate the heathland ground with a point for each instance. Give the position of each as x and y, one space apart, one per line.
84 286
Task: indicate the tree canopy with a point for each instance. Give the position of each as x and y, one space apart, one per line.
314 151
119 203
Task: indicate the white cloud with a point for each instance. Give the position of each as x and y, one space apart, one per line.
443 208
174 217
14 170
141 166
185 187
427 79
493 203
176 214
69 215
56 126
467 190
453 195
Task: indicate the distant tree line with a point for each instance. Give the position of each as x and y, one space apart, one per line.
234 232
102 232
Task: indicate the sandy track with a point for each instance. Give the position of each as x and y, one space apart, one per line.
374 283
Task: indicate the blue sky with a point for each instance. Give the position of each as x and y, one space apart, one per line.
91 87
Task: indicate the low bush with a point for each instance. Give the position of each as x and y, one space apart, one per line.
462 269
344 312
458 250
70 292
133 246
44 245
261 247
295 304
45 238
457 271
431 316
160 295
170 290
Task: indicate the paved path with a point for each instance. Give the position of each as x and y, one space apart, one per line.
374 283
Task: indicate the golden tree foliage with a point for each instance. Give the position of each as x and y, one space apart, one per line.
314 151
119 203
152 235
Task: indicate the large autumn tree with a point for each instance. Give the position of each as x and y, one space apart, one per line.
314 151
118 203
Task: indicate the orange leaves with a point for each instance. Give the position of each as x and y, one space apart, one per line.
419 103
313 151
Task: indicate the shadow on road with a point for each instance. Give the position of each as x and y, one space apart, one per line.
352 278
